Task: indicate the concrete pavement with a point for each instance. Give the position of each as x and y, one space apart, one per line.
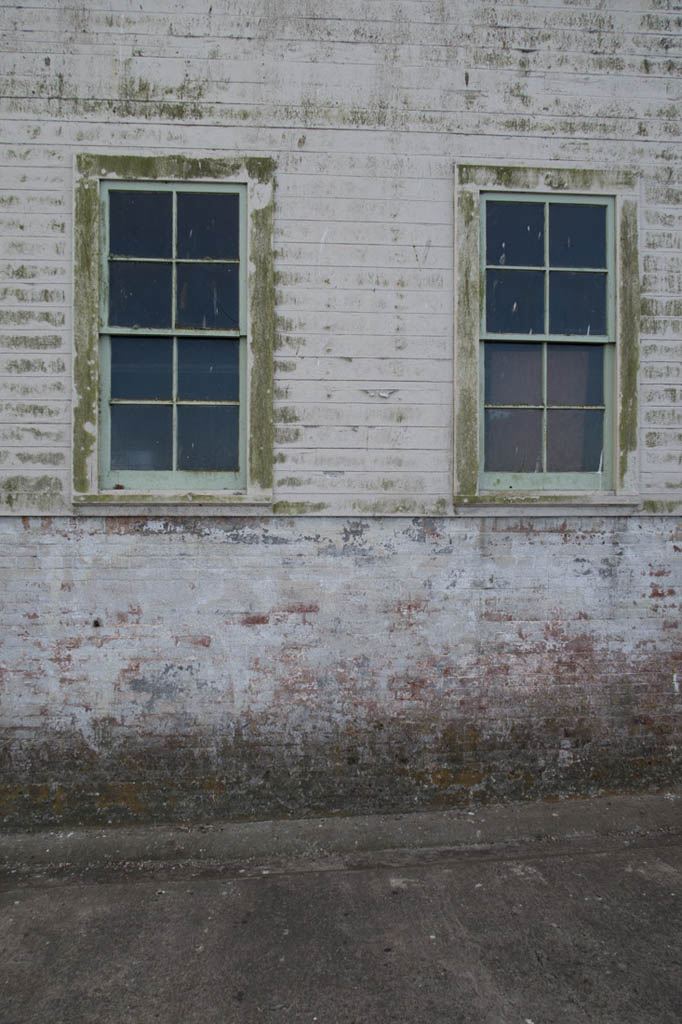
551 913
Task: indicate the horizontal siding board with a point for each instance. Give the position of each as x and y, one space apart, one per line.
32 342
373 372
379 414
34 179
297 256
355 458
381 324
375 481
45 411
33 388
302 392
34 366
31 249
657 351
313 348
430 126
39 271
24 437
351 231
33 457
363 300
345 279
363 437
337 185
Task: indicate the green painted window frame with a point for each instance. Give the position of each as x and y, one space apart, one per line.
554 481
172 478
618 191
93 481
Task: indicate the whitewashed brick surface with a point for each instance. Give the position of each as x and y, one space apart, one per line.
198 668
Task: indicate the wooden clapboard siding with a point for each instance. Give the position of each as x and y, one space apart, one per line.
365 108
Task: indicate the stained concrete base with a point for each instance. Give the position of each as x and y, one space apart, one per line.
546 913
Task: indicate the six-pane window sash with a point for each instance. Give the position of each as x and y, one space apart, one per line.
173 336
547 336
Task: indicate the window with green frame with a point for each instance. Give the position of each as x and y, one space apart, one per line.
547 341
172 366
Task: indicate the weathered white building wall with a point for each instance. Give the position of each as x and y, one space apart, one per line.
256 669
365 108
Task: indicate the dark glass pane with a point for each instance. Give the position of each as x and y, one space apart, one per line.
574 440
208 226
577 303
208 295
515 234
208 437
514 301
575 374
141 224
139 294
513 440
208 368
577 235
513 373
141 367
141 437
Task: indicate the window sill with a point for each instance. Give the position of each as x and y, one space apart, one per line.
537 504
172 503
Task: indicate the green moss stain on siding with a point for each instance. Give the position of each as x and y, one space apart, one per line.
86 326
139 97
538 178
262 341
298 508
466 344
661 508
629 324
175 167
40 493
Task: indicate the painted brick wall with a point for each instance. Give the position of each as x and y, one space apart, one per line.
159 669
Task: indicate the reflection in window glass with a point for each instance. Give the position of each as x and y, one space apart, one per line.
208 437
208 226
513 440
208 368
208 295
140 224
575 440
515 301
577 235
515 234
139 294
577 303
513 373
575 374
141 367
141 437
